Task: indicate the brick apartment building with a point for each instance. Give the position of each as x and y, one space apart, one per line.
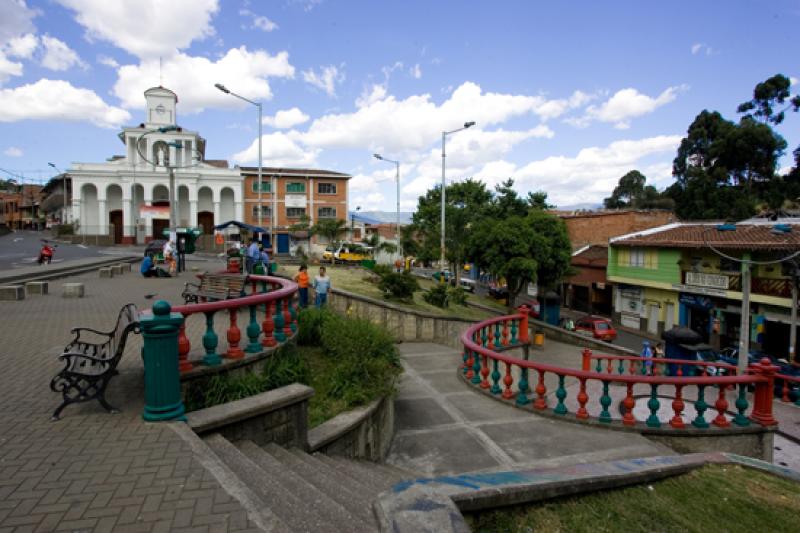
20 208
597 227
317 194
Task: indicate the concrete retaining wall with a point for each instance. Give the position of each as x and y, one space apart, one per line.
363 433
405 325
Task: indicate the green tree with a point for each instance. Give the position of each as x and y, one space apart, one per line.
374 241
523 249
506 201
408 241
331 229
767 95
629 188
538 200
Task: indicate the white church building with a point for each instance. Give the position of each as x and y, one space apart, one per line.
128 199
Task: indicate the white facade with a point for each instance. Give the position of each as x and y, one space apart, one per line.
132 191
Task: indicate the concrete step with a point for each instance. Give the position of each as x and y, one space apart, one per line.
372 477
355 499
315 500
352 480
289 508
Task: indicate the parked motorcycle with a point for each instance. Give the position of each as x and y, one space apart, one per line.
46 253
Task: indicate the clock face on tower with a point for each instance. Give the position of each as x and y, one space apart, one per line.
160 109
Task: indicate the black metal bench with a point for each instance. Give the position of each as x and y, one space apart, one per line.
215 287
89 366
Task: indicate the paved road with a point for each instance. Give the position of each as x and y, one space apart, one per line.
21 248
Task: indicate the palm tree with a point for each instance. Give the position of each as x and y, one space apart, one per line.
374 241
331 229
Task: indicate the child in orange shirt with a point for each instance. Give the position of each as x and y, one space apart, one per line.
302 283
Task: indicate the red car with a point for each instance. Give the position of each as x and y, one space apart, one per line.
595 326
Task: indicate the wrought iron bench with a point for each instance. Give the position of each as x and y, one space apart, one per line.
215 287
89 366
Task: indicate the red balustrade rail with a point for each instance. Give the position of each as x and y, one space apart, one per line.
272 299
786 384
652 366
483 362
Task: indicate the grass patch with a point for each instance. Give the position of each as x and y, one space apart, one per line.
712 498
357 281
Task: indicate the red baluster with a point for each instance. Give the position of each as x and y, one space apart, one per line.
785 391
629 403
504 340
522 335
234 335
677 408
489 336
287 319
582 413
586 355
680 370
608 369
268 327
470 362
541 391
722 406
484 372
184 346
631 366
654 368
762 405
507 381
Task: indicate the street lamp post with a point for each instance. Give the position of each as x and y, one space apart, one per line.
442 262
260 164
64 178
397 182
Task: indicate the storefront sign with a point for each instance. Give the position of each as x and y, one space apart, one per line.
295 200
696 301
154 211
533 290
713 281
698 290
629 321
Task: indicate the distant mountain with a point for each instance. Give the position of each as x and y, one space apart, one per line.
388 217
579 207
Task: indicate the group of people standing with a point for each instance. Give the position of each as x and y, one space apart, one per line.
321 286
256 253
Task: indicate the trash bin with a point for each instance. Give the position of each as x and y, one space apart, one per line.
551 311
675 342
368 263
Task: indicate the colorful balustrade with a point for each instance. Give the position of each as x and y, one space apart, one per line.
718 397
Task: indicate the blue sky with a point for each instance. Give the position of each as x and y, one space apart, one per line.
567 98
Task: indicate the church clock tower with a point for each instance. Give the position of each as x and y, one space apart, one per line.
161 104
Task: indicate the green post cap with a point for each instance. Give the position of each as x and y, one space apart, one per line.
161 307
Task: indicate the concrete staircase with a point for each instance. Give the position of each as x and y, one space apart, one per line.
309 492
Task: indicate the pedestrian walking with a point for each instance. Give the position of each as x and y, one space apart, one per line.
253 255
301 278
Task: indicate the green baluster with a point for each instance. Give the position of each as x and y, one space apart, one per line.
293 314
514 327
210 341
476 369
522 398
643 369
465 358
741 405
700 406
621 366
497 340
599 367
496 389
484 337
653 404
561 394
280 336
253 331
605 401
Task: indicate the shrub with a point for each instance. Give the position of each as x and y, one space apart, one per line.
437 295
381 270
457 296
364 359
310 320
398 286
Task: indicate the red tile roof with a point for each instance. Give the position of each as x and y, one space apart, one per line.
744 237
295 172
596 256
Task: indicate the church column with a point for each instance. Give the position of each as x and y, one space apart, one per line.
128 227
102 218
217 213
193 205
148 201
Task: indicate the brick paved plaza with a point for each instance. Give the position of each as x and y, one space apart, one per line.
92 470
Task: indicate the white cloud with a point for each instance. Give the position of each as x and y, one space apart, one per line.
146 28
193 78
22 46
17 19
286 118
368 202
278 149
593 173
108 61
793 81
415 72
8 68
58 100
382 122
698 48
264 24
59 56
625 105
13 151
326 80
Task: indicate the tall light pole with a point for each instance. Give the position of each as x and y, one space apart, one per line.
64 178
260 164
442 261
397 182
